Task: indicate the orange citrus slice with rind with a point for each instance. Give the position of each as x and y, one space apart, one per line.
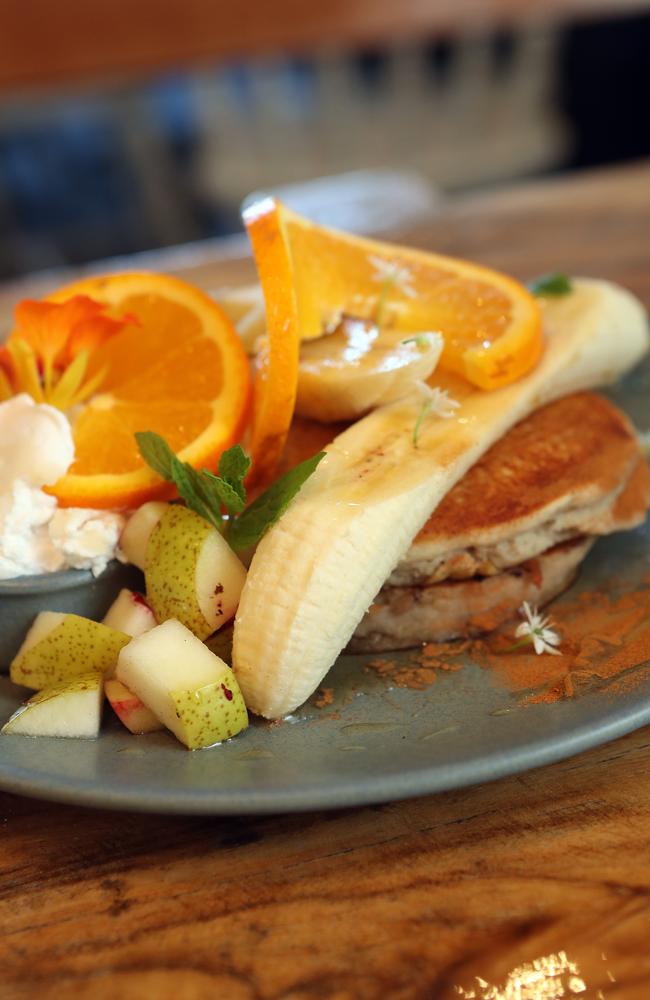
311 275
179 370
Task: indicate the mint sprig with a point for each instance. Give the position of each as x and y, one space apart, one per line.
213 497
551 285
246 530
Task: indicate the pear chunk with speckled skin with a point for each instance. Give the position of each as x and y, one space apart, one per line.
137 531
192 691
72 709
44 623
191 572
72 647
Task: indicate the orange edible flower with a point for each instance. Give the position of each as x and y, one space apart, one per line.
47 353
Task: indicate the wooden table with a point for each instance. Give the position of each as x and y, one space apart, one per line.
402 901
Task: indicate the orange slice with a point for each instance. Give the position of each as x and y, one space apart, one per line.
310 275
180 371
276 376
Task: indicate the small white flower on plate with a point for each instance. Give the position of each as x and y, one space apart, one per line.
390 274
536 630
436 402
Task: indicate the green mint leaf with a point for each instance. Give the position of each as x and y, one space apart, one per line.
191 487
551 285
233 466
223 492
156 453
250 526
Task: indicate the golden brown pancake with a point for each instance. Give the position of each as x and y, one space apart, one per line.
407 616
554 476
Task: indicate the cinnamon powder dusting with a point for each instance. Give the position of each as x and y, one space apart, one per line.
604 638
324 698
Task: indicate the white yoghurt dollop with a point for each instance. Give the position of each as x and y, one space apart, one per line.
36 536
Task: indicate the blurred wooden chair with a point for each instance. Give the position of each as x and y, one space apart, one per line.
48 43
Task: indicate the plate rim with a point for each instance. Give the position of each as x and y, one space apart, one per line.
355 793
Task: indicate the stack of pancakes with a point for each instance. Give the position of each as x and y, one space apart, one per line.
516 527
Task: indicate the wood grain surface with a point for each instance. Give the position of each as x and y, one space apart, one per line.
455 895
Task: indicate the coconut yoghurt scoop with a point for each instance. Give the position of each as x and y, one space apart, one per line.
36 535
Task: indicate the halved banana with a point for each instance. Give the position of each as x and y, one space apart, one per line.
319 567
359 366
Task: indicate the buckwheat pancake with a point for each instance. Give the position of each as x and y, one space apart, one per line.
554 476
516 527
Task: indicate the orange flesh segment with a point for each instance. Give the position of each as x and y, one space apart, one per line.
181 372
490 322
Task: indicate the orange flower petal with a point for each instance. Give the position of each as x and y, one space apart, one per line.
90 333
36 325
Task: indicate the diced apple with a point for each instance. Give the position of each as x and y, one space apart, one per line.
192 691
130 613
72 709
192 574
137 531
130 710
72 647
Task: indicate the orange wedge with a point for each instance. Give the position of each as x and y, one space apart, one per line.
276 376
180 371
310 275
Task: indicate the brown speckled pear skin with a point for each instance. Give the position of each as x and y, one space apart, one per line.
211 714
59 711
76 646
170 568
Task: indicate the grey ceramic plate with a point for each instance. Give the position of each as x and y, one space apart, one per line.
374 743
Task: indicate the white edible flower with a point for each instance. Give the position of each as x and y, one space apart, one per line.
536 628
387 272
437 401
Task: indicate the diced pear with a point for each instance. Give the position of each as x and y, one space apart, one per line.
132 712
130 613
73 647
137 531
43 624
192 691
192 574
72 709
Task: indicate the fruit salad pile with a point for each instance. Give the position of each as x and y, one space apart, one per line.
154 675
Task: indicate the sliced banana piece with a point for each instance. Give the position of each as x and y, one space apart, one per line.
359 366
319 567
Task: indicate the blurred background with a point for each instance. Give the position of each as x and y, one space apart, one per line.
129 127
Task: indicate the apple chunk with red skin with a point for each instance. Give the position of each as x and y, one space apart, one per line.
132 712
191 572
192 691
130 613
